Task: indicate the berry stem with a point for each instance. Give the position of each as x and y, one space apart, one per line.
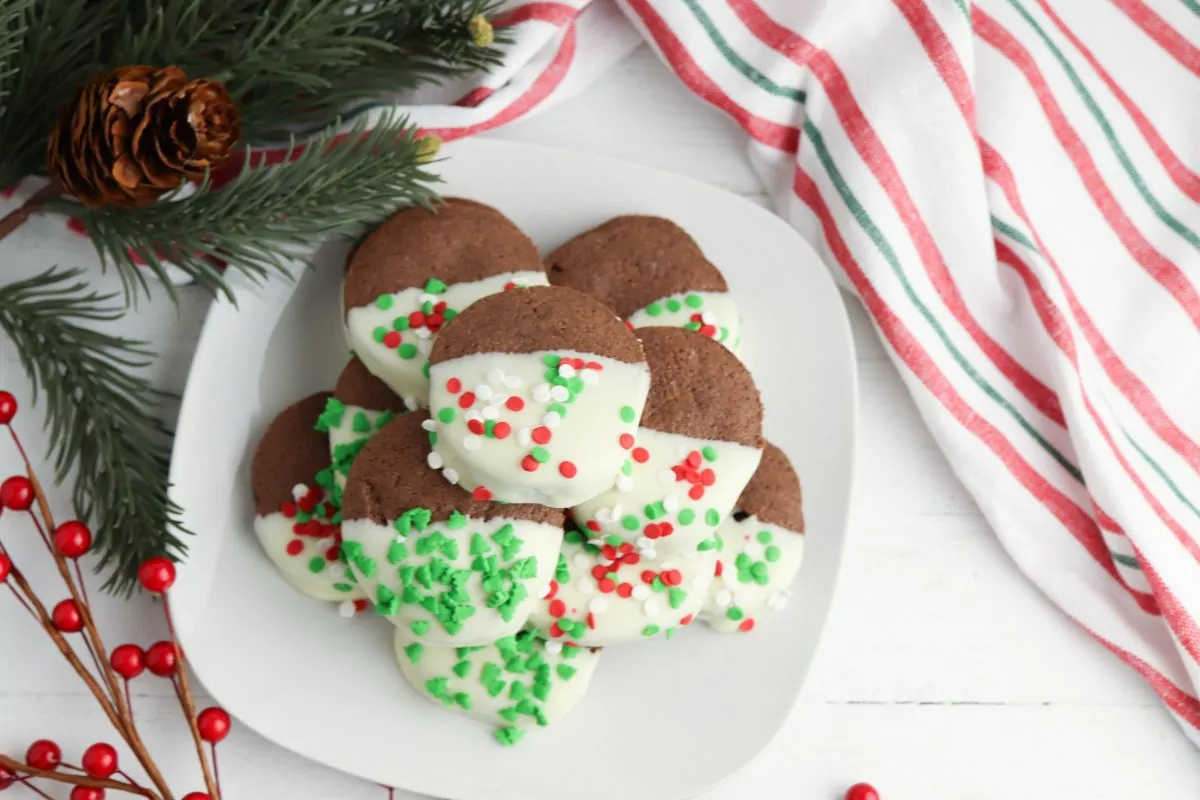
75 780
28 784
184 692
18 216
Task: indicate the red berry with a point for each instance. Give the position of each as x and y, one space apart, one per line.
7 778
213 724
196 796
128 661
67 617
162 659
44 754
86 793
5 567
8 407
16 493
156 574
862 791
100 760
72 539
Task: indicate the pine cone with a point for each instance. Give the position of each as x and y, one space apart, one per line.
129 135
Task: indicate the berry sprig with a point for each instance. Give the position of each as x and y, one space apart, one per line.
70 621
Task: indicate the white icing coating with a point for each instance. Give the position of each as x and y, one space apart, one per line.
330 582
578 431
560 675
714 313
758 563
406 376
671 470
627 608
346 433
389 556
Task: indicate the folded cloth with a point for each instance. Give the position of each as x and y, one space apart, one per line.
1010 188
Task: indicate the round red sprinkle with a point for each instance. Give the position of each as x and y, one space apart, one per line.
862 791
592 525
294 547
608 551
541 434
514 403
467 400
624 590
626 440
529 464
475 426
557 608
591 620
454 386
631 559
416 319
672 577
509 285
391 339
440 306
288 509
556 631
696 492
434 322
651 530
567 469
686 620
708 330
501 430
747 625
607 585
629 324
360 605
553 589
598 572
332 553
708 477
665 529
482 494
640 455
719 569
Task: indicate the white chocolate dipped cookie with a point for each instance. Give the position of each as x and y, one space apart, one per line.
651 273
361 404
449 569
416 272
699 442
533 394
606 594
759 548
515 683
297 520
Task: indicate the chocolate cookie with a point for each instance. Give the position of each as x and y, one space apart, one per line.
532 391
416 272
773 494
651 273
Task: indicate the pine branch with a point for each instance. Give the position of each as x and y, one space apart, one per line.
12 33
100 416
265 213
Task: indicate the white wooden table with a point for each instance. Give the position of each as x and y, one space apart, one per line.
943 675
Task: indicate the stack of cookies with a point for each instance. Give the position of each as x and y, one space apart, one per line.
527 460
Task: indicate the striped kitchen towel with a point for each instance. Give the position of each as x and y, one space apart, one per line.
1010 187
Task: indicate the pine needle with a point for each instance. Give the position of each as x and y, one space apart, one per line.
100 416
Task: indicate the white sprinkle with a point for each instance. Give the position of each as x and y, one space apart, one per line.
425 297
603 516
434 460
346 609
410 402
552 419
709 318
624 483
650 607
298 491
566 371
495 377
585 586
582 560
512 382
671 503
559 393
641 591
648 552
597 605
497 399
754 550
524 437
472 442
450 475
424 346
617 512
541 392
590 377
483 391
422 333
491 412
666 476
553 647
723 599
473 414
429 425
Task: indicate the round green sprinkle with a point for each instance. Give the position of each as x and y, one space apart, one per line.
735 613
449 314
342 587
650 511
628 414
384 301
407 350
692 326
709 452
627 467
446 415
694 300
379 333
559 408
674 305
712 517
765 537
427 308
686 516
425 366
540 454
759 570
551 360
575 384
400 323
316 565
649 630
629 522
654 309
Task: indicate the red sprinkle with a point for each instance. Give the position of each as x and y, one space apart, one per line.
693 459
624 590
651 530
557 608
501 430
626 440
514 403
686 620
332 553
434 322
629 324
391 339
607 585
541 434
708 330
440 306
288 509
475 426
596 365
708 477
416 319
529 464
640 455
360 606
553 589
632 559
556 631
567 469
294 547
665 529
509 285
592 525
454 386
467 400
599 571
696 492
482 494
648 576
672 577
591 620
720 568
747 625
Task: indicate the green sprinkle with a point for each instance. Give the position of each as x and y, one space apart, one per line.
331 417
448 315
388 609
366 565
742 561
437 686
406 350
425 366
509 713
400 323
650 511
654 309
565 671
419 627
613 540
709 452
676 596
351 550
735 613
551 360
456 521
673 304
421 517
489 673
450 549
541 690
686 516
712 517
575 384
694 300
378 334
509 735
316 565
540 454
361 424
342 587
692 326
773 553
434 286
765 537
397 552
570 651
384 418
649 630
495 688
479 545
558 408
446 415
629 522
413 651
517 691
464 700
384 302
451 626
705 545
562 573
670 634
384 594
657 585
427 308
628 414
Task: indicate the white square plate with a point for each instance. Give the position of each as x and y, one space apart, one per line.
662 719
